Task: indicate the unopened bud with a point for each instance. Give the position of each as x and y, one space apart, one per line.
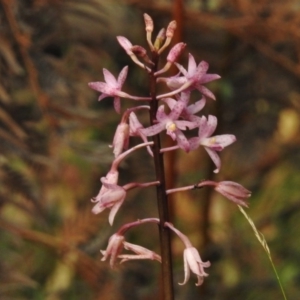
171 29
175 52
121 139
233 191
160 38
141 52
148 22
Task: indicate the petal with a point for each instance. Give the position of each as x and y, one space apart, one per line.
207 126
170 102
186 270
194 143
197 106
205 91
209 77
153 130
201 70
98 208
224 140
183 125
98 86
182 141
176 111
192 66
160 114
125 44
211 125
113 211
175 82
181 69
110 78
117 104
215 158
122 76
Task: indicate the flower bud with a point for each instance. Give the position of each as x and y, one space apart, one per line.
171 29
148 22
175 52
121 139
125 43
233 191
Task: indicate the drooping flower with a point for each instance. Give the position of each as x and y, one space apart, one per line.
193 78
211 144
233 191
140 253
111 87
135 129
172 125
193 262
112 198
191 257
121 139
114 248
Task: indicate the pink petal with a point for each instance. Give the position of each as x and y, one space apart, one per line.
212 123
125 43
224 140
201 70
110 78
197 106
153 130
186 270
160 114
122 76
182 141
113 212
215 158
176 111
205 91
209 77
117 104
192 66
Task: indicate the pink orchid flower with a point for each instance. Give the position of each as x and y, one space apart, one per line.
191 257
211 144
193 262
114 248
234 192
113 197
193 78
172 125
188 113
111 87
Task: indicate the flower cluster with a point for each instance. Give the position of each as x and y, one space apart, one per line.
174 114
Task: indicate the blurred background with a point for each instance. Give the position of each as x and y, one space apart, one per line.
54 138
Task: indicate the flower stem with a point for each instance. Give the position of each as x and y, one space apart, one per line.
162 200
